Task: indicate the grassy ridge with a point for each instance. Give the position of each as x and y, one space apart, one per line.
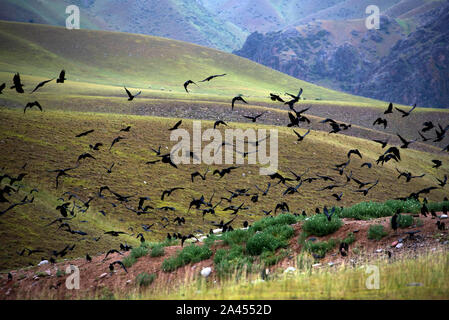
139 61
45 141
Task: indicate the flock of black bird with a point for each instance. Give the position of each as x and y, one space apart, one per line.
72 205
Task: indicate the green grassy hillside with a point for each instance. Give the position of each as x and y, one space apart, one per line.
137 61
46 141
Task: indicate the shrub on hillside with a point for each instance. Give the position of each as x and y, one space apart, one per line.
192 253
376 232
318 225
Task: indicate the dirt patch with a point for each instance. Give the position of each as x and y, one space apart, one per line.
95 275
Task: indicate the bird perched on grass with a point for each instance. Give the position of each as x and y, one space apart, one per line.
395 221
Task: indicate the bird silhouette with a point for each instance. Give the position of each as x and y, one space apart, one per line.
301 137
130 96
118 139
41 84
224 171
389 109
212 77
168 192
406 113
381 121
176 126
32 104
275 97
186 84
238 98
61 77
254 118
17 84
82 134
218 122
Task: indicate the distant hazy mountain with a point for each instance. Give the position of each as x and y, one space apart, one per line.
324 42
405 61
186 20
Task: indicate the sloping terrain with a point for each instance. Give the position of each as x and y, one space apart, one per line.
345 55
46 141
175 19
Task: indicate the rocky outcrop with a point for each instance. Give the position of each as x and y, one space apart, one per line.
384 64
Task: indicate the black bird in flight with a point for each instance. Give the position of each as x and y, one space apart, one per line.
238 98
218 122
301 137
115 233
125 129
61 77
32 104
187 83
196 174
281 178
254 119
62 172
440 133
111 266
424 138
281 206
84 133
367 164
130 96
111 252
360 183
275 97
264 192
365 191
96 147
337 196
166 158
389 109
2 87
85 155
118 139
224 171
295 99
381 121
437 163
109 170
142 201
41 84
176 126
405 143
17 83
158 151
428 125
406 113
292 190
383 143
407 175
354 151
443 182
212 77
168 192
294 120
